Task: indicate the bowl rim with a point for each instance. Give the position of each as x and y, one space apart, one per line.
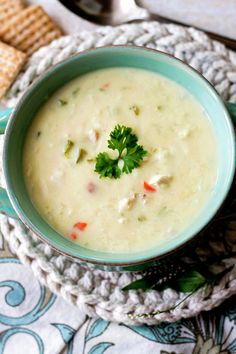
103 262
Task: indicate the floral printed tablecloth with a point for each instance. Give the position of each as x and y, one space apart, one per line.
33 320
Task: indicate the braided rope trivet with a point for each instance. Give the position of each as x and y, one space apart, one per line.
95 292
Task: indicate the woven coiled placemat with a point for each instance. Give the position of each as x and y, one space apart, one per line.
98 293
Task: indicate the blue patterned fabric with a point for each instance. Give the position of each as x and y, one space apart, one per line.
34 321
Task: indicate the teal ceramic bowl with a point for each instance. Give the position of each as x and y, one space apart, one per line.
15 200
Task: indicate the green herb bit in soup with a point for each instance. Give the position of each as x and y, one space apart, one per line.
75 91
91 160
62 102
68 148
142 218
162 210
38 134
135 109
130 154
73 152
159 108
81 155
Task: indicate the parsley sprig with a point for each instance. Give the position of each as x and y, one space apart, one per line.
130 154
189 282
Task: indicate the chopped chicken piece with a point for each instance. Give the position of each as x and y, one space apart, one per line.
162 154
121 220
127 203
93 135
57 176
96 124
184 133
160 179
143 198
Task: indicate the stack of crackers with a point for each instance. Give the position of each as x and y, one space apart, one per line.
23 30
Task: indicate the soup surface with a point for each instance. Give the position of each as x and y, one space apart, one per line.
167 188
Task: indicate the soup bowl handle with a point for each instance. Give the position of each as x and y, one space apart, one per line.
4 117
5 204
232 110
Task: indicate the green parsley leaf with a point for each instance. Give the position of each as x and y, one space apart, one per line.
106 166
190 281
125 142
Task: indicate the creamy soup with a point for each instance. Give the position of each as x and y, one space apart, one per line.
172 162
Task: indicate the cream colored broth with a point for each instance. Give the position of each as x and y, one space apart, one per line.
121 215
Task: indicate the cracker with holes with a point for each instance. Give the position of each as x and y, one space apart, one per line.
11 61
29 30
8 9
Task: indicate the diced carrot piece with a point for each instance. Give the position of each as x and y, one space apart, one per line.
80 226
148 187
97 135
104 86
73 236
